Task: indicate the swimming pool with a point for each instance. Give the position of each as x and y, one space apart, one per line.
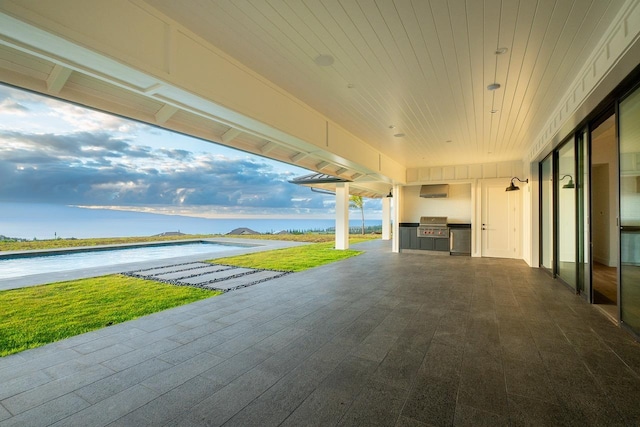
25 264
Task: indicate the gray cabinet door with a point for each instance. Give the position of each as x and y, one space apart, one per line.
427 243
405 240
441 244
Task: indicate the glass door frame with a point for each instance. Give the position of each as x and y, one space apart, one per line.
619 100
541 237
571 139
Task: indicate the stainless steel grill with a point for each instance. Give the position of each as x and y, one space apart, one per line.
433 226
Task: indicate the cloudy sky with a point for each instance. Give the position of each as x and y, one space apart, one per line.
55 152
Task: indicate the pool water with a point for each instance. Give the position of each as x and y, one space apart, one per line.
22 266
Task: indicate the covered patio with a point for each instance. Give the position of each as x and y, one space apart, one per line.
372 340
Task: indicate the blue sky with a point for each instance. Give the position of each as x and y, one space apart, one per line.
56 152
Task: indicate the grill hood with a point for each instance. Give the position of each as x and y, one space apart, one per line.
434 191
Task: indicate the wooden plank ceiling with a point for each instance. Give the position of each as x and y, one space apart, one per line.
414 67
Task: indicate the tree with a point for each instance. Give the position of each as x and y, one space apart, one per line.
356 202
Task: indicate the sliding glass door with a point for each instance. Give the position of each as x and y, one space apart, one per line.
566 205
546 213
629 136
583 203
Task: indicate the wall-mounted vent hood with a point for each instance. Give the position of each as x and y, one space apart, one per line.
434 191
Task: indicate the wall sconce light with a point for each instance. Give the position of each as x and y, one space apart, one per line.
569 184
513 187
390 193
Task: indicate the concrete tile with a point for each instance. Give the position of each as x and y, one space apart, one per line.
467 416
104 354
4 414
35 361
604 362
375 347
227 371
138 356
228 401
482 386
623 392
160 334
377 405
172 405
54 389
442 361
23 383
110 409
349 377
399 368
530 412
184 352
322 407
409 422
432 401
48 413
179 374
528 379
113 384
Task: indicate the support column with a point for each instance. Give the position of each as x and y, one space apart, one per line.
386 218
397 208
342 215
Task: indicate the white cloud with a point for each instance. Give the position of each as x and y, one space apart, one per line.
10 106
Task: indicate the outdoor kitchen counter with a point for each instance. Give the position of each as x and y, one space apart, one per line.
409 239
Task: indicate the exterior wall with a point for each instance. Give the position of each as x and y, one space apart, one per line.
457 207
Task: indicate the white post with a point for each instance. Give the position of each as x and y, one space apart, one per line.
342 215
386 218
397 208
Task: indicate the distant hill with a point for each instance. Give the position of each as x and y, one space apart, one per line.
241 231
169 233
11 239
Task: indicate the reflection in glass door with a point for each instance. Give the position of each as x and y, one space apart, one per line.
566 224
546 208
584 241
629 136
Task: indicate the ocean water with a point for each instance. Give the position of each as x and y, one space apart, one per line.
46 221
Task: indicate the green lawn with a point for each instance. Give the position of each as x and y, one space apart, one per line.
292 259
34 316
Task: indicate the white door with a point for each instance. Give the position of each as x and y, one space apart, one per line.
501 219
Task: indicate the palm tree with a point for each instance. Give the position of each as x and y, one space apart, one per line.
356 202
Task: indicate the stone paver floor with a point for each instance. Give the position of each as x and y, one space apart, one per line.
209 276
378 339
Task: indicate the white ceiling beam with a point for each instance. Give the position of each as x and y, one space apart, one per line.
57 78
165 113
153 89
270 145
297 157
230 135
322 165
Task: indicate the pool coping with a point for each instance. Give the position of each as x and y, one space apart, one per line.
98 248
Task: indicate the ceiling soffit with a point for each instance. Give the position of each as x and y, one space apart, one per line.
422 67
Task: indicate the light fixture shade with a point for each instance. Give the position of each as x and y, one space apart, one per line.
512 187
569 184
